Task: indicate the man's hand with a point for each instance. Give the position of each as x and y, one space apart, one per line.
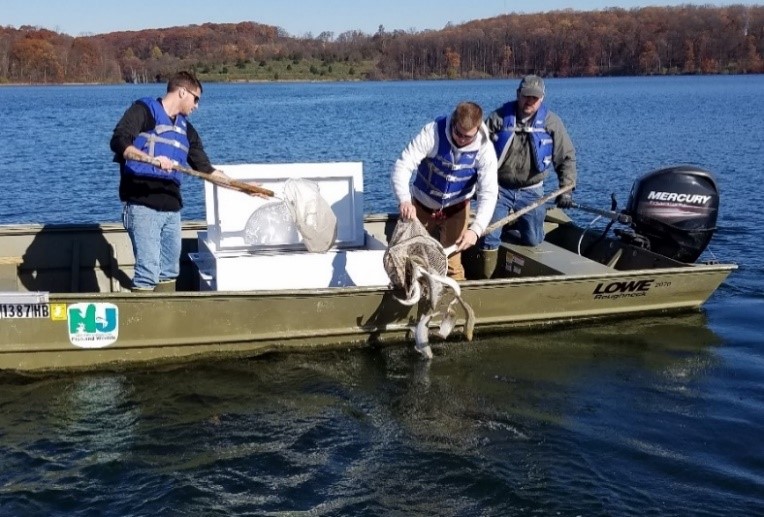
564 200
164 163
467 240
408 210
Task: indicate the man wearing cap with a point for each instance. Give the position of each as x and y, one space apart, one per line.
528 139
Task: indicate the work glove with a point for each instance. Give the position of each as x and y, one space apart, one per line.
564 201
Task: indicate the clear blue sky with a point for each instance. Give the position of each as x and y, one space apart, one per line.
297 17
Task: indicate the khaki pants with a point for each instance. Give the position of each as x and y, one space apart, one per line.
446 229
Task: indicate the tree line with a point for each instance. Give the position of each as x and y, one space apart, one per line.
641 41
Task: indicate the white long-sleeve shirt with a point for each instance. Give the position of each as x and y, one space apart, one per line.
425 145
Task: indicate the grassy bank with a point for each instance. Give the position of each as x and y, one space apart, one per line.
287 70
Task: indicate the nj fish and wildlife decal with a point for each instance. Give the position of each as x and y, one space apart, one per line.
93 325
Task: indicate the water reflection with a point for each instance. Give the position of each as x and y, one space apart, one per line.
98 410
497 423
64 438
509 384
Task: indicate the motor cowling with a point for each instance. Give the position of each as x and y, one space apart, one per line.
675 209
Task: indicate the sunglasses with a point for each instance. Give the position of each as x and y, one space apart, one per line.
461 135
195 96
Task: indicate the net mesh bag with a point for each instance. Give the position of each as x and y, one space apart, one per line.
411 245
417 264
311 213
270 225
301 211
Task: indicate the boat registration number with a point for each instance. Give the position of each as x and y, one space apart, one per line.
24 310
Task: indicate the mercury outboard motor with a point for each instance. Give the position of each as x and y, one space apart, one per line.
675 210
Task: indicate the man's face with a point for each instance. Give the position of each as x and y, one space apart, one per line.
528 105
462 136
190 98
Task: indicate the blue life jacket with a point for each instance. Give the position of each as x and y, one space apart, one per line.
168 138
442 178
542 144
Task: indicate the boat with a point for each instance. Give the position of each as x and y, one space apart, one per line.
65 301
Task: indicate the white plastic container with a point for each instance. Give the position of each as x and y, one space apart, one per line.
227 260
228 211
236 271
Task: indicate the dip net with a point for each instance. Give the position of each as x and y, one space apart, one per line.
417 264
411 247
301 210
311 213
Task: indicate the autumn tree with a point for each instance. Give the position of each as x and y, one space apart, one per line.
684 39
34 60
649 61
86 61
453 62
752 61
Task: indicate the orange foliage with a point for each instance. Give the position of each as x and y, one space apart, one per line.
35 60
652 40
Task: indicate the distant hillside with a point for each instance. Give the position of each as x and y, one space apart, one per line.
645 41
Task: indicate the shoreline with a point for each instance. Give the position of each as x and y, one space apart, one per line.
359 80
236 81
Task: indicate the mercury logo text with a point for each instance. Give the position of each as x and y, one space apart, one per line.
693 199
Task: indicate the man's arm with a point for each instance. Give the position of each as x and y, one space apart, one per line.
487 188
417 150
197 157
136 119
564 154
494 122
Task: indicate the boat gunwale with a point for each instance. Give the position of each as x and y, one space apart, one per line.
467 284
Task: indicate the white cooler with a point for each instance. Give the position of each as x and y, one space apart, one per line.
227 260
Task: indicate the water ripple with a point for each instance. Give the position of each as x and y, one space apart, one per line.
650 416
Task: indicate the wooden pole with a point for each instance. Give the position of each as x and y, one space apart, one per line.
515 215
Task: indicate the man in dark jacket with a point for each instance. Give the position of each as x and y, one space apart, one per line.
151 138
529 139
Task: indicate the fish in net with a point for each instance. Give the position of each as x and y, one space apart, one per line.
417 265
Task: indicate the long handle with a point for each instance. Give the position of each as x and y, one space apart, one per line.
614 216
515 215
217 180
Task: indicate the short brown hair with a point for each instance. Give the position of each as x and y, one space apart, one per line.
183 80
468 114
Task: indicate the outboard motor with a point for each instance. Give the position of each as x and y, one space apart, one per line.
675 210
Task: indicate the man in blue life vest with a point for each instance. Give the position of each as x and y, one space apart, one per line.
158 131
529 140
450 161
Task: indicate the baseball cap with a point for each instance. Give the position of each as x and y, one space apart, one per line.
531 86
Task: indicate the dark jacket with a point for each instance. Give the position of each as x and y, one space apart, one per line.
519 170
159 194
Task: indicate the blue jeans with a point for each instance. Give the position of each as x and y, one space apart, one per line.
530 226
156 238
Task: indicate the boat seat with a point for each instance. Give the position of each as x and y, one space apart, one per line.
545 259
9 274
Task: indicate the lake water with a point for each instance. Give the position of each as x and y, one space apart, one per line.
659 416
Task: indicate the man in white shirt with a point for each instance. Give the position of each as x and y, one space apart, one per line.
451 160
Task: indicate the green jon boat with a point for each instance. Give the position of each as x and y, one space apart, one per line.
65 301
